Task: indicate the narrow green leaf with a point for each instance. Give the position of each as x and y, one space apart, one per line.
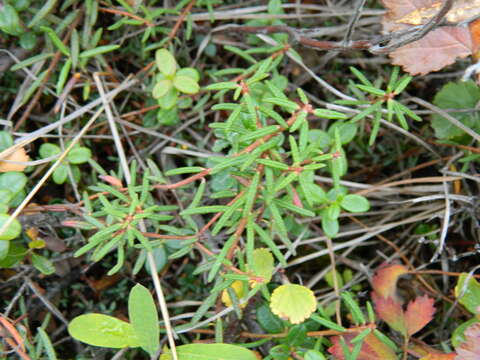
327 323
47 344
56 40
204 210
40 14
98 51
30 61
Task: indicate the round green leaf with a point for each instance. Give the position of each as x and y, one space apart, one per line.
12 231
103 330
355 203
165 62
144 318
186 84
16 253
46 150
161 258
79 155
42 264
346 130
161 88
190 72
330 226
293 302
4 246
269 322
60 174
210 352
314 355
458 335
262 264
468 294
5 196
169 100
5 140
14 181
9 20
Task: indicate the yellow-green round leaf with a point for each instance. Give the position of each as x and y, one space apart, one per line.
293 302
166 62
262 264
186 84
161 88
210 352
103 330
12 231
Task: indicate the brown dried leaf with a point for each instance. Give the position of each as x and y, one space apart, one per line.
398 9
419 313
461 10
19 155
441 47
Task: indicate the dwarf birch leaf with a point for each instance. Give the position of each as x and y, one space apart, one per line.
418 314
103 330
210 352
391 312
372 348
385 280
293 302
144 318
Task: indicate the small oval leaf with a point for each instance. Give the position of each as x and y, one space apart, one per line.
186 84
210 352
165 62
144 318
103 330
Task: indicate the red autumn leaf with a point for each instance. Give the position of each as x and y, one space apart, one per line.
450 356
385 280
470 349
372 348
439 48
391 312
418 314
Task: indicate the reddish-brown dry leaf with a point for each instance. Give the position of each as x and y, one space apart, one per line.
419 313
372 348
398 9
461 10
439 48
391 312
470 349
385 280
435 356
